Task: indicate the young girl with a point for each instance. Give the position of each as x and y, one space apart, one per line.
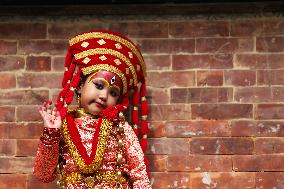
92 146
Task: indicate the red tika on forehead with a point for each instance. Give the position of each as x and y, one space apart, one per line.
110 77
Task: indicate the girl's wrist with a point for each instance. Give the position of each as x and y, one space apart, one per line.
50 135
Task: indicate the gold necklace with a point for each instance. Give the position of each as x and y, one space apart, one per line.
80 112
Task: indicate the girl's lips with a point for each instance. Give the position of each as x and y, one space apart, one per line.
99 105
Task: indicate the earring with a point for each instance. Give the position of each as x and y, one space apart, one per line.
79 100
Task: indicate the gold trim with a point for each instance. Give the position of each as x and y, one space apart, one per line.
109 68
106 126
111 52
130 45
108 176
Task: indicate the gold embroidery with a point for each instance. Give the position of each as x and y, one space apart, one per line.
116 38
111 52
106 67
106 126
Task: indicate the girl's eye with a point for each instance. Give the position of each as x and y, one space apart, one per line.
99 85
113 93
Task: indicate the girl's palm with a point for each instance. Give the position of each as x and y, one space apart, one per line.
51 117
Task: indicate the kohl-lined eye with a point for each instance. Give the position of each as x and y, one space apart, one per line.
98 85
114 93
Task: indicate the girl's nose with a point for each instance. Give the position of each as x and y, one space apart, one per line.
103 95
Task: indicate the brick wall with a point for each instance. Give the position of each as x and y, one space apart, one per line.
215 86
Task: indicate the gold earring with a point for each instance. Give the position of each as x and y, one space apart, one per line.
79 100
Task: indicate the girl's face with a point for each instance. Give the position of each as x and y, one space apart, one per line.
100 90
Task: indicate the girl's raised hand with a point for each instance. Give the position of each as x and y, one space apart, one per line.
50 115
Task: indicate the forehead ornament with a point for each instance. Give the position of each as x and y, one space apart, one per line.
112 81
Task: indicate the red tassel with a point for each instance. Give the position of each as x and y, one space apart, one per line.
68 74
69 97
135 104
63 112
146 161
125 101
76 80
68 58
143 144
144 127
136 131
144 107
143 89
135 117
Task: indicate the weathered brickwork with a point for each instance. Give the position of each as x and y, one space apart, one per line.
215 88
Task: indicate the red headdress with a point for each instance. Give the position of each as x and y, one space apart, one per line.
105 50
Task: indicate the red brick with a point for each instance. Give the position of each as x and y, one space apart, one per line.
7 114
221 180
27 147
141 29
38 63
197 128
258 128
157 129
220 111
277 94
245 28
240 77
157 62
23 97
158 163
253 94
16 164
28 113
269 145
204 61
224 45
7 147
170 180
11 63
153 46
172 146
225 94
270 77
8 47
269 111
169 112
32 183
221 146
258 162
66 29
209 78
194 95
37 80
270 44
57 63
23 30
171 79
7 81
199 29
20 130
53 47
259 61
270 180
251 61
13 181
198 163
158 96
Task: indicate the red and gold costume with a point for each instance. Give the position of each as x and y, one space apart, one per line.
103 151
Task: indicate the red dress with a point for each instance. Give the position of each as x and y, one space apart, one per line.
91 153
